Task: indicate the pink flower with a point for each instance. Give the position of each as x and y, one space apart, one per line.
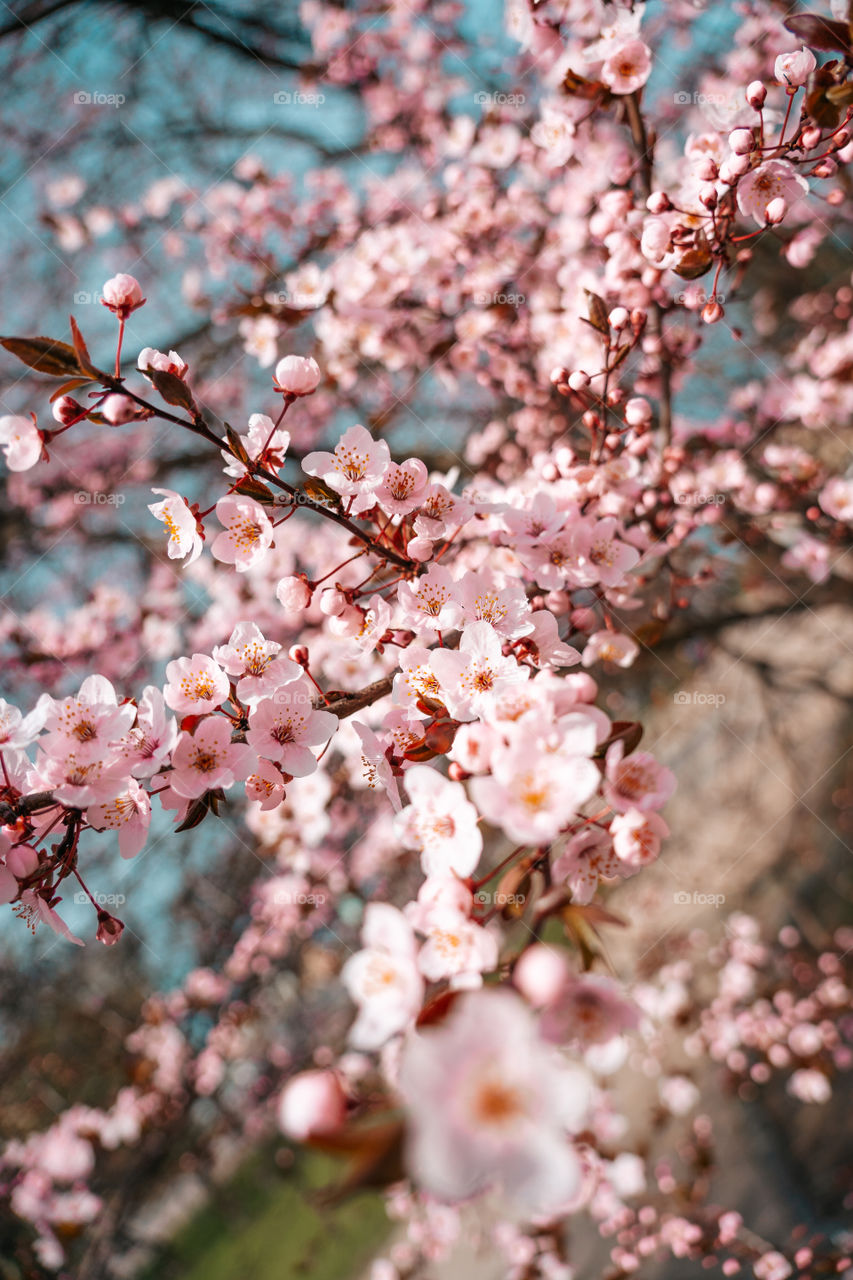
610 646
257 663
430 601
794 69
475 674
184 536
150 358
355 469
772 180
600 556
195 685
772 1266
21 441
489 1105
80 784
311 1102
636 781
532 793
265 786
148 745
590 1010
403 487
497 146
544 644
456 946
33 908
122 294
587 858
379 774
208 759
504 607
247 532
87 724
129 813
440 822
297 375
261 438
836 499
637 837
284 726
628 67
555 133
541 973
383 978
118 409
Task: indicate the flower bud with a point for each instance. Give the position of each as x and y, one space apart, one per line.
794 69
712 312
122 294
578 381
66 410
541 974
22 861
618 318
293 593
299 653
118 409
420 549
811 137
110 928
708 195
658 202
297 375
775 211
332 602
742 141
311 1102
637 411
756 94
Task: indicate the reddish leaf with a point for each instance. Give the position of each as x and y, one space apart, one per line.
820 33
45 355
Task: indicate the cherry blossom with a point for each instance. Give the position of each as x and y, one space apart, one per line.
284 726
383 978
207 758
21 442
440 822
257 663
195 685
773 180
185 541
246 535
355 468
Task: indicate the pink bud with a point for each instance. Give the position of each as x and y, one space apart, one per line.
298 653
756 94
811 137
348 622
776 210
658 202
420 549
558 374
118 409
66 410
794 69
742 141
121 295
297 375
708 195
712 312
311 1102
618 318
293 593
332 602
579 381
707 170
110 928
22 861
637 411
541 974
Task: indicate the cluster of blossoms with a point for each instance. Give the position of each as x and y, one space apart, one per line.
374 625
